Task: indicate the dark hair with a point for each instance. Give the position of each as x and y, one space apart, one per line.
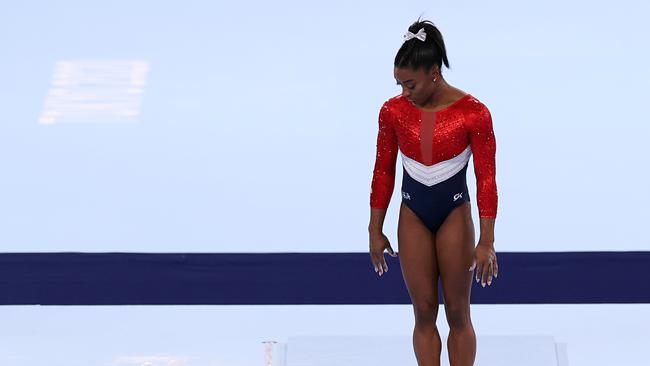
416 54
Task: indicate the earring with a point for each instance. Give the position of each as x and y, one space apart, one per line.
434 80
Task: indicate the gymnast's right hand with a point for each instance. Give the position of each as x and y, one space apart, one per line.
379 242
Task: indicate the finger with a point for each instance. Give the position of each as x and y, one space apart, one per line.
384 265
390 250
479 269
490 272
484 274
375 264
496 268
471 268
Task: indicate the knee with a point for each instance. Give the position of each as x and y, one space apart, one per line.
457 316
426 312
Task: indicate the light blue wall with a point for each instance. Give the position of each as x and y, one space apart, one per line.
258 123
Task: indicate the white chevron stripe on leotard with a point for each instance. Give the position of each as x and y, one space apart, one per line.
436 173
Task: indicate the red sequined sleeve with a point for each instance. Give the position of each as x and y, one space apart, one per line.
483 144
383 177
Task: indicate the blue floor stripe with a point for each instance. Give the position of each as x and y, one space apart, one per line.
305 278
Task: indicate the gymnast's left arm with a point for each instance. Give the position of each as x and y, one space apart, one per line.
483 144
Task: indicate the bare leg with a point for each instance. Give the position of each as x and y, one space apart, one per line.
417 257
455 250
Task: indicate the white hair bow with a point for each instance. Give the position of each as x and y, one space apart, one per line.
421 35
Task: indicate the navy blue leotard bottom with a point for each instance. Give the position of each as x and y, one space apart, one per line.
433 204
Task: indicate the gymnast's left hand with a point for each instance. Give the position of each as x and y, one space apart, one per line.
485 262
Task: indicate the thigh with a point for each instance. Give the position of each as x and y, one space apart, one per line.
455 252
418 261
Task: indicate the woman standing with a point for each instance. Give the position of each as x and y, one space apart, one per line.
436 127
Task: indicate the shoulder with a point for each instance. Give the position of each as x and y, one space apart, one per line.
394 105
396 102
477 114
475 108
473 103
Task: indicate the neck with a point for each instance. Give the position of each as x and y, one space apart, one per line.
438 96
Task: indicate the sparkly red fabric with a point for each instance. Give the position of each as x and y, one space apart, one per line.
432 137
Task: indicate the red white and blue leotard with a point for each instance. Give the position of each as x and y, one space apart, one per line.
435 149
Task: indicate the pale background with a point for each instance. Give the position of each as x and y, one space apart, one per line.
256 133
258 123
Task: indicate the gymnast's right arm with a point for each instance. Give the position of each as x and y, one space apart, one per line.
383 182
383 177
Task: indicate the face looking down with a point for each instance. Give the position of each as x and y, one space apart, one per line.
417 86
